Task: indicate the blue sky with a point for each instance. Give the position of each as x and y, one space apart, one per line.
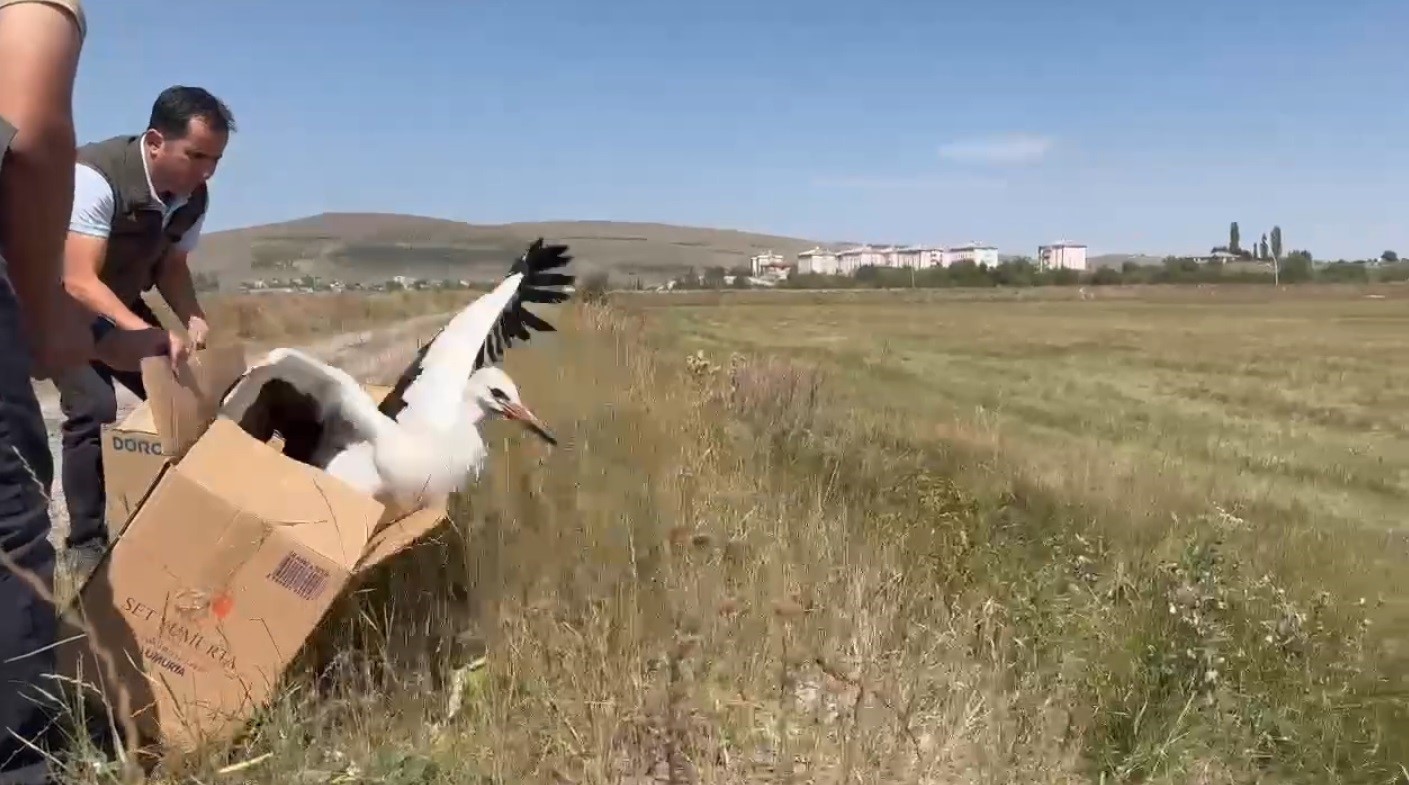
1132 127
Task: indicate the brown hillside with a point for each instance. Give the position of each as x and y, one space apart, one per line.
377 246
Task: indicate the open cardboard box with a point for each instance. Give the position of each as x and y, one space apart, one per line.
225 567
132 460
135 450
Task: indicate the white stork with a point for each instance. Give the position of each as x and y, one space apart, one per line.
423 441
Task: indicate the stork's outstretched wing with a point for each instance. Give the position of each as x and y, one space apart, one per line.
307 401
435 380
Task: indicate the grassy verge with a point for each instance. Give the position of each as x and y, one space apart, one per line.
775 567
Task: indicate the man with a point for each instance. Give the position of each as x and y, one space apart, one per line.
138 207
40 41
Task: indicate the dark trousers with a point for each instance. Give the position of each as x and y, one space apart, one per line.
84 417
27 620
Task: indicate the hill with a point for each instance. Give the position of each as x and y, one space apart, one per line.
377 246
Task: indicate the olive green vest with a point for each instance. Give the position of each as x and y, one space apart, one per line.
137 242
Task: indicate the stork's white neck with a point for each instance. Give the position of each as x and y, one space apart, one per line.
476 413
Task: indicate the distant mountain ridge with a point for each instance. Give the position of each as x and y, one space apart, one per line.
368 247
378 246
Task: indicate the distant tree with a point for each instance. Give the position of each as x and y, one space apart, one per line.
1276 242
968 273
1016 272
1389 257
1106 276
1264 250
1297 268
1344 272
690 280
1233 238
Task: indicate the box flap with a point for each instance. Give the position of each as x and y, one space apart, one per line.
184 400
139 420
399 535
303 503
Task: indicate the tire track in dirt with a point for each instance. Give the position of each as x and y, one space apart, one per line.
374 356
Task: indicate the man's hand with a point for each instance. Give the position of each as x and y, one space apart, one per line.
63 341
197 331
155 342
124 350
177 348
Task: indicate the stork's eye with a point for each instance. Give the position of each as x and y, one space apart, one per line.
499 395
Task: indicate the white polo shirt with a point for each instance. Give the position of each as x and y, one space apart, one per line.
93 205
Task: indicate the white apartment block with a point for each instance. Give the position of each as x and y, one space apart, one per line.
769 265
820 261
817 261
917 257
1061 256
853 259
972 252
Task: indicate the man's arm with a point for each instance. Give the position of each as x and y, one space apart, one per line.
174 279
39 50
87 244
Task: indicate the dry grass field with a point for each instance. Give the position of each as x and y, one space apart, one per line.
262 319
910 539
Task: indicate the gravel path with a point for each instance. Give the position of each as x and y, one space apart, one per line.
373 356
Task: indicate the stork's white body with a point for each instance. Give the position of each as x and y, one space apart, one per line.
419 465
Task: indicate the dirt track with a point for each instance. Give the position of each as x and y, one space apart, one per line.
374 356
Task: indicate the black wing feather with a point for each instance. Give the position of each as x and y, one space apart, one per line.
515 323
532 322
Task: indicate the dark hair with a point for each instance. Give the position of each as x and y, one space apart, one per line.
174 108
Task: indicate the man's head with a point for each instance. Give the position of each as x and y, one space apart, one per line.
185 138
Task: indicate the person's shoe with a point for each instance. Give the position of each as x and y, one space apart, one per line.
80 560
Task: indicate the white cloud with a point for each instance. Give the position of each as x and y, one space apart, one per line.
998 149
906 183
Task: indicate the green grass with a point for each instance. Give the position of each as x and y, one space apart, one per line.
1272 427
1294 409
899 540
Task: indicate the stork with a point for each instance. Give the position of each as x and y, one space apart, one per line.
422 442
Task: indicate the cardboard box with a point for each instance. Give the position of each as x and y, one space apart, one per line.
134 454
224 570
132 460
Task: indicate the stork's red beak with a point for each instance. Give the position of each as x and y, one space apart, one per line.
514 411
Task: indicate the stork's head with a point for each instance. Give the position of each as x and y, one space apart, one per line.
496 393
